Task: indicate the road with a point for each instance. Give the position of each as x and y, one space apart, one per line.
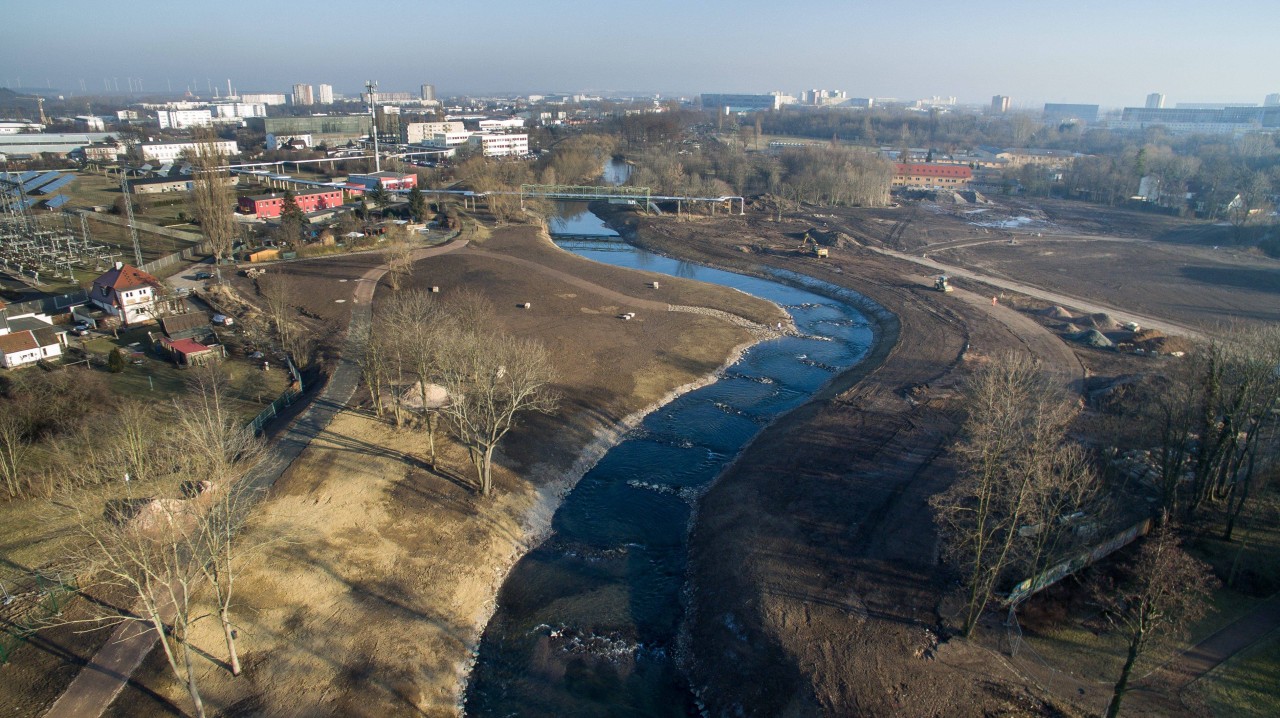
1065 300
106 674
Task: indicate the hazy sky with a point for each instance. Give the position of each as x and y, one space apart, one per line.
1110 52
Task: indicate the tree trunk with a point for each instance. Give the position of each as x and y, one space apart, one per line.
431 437
191 680
488 470
231 641
1122 685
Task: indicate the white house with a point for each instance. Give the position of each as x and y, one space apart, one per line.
127 293
28 347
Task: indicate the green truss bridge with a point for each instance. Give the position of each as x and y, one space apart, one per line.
638 195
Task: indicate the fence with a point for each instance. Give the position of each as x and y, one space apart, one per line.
169 260
286 399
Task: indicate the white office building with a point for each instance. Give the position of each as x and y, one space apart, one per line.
170 151
183 119
417 132
445 140
326 94
502 145
510 123
263 98
240 109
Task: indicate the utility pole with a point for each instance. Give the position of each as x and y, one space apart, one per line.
372 87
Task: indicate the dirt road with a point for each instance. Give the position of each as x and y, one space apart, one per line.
1077 303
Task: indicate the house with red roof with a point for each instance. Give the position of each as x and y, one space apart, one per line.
127 293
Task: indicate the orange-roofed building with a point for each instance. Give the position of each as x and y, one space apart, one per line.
931 176
127 293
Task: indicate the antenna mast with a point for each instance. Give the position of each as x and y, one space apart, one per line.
372 87
128 211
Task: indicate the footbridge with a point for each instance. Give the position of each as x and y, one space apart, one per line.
636 195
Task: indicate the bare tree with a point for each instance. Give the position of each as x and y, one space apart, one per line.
220 449
1165 592
280 292
13 450
399 263
213 197
491 380
138 546
1016 420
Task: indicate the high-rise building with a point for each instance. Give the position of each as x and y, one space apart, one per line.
429 93
1272 100
302 95
1000 104
1155 101
326 94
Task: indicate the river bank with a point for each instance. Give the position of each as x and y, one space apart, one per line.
816 588
378 574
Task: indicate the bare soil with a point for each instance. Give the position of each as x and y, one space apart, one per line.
378 571
817 588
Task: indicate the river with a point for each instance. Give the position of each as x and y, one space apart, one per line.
587 622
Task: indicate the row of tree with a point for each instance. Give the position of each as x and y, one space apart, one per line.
820 174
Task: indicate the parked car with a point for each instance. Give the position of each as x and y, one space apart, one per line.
204 275
223 320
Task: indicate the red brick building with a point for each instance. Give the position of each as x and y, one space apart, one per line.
931 176
270 205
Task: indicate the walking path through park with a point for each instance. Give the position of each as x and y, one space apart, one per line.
1199 660
106 674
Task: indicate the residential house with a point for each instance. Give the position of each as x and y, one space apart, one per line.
127 293
28 346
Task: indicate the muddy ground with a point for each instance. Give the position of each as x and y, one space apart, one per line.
817 586
1183 270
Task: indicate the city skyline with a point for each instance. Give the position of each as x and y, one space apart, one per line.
1091 51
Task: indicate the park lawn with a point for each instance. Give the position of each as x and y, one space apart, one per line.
1245 686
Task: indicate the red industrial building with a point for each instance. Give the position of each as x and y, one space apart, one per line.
932 176
270 205
387 180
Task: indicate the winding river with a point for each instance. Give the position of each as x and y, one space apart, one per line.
587 622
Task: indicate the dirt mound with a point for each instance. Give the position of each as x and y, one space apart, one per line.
1092 338
437 397
1071 328
1163 345
1100 321
1057 312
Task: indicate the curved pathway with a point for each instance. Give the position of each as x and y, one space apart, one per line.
106 674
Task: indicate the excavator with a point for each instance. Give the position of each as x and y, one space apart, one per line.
810 246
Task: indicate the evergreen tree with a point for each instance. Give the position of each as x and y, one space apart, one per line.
417 204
